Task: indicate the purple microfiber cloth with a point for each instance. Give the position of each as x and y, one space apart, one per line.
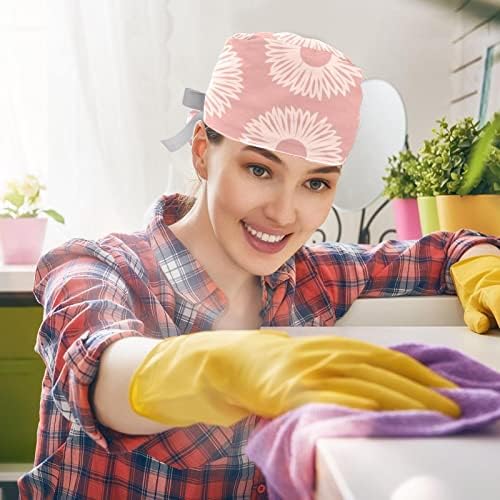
284 448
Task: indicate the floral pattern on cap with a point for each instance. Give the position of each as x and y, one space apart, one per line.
309 67
244 36
286 93
226 83
297 131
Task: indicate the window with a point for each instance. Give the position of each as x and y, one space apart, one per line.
23 88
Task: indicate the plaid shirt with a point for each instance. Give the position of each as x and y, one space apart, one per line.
148 284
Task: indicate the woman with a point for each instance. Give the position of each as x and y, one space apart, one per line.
132 406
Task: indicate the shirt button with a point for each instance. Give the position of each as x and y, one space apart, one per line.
261 489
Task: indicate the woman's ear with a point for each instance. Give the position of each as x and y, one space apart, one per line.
199 150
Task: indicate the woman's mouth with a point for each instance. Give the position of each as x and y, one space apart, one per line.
264 242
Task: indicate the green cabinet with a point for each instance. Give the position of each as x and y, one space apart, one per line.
21 374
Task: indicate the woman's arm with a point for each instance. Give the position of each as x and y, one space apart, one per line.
110 392
93 297
421 267
481 250
391 268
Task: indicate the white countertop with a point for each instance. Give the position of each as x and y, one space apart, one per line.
10 473
455 467
444 468
16 278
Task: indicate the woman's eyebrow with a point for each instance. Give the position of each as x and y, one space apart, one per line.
271 156
264 152
325 170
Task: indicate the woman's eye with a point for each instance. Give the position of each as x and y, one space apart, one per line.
257 170
318 185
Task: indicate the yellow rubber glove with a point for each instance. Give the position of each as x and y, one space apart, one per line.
477 282
221 377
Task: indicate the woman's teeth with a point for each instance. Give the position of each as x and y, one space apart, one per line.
269 238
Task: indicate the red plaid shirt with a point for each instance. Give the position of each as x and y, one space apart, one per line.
148 284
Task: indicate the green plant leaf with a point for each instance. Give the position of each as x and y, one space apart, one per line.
29 215
55 215
10 211
399 181
15 198
479 156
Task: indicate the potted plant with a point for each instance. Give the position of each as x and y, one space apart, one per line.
22 225
401 189
428 174
463 168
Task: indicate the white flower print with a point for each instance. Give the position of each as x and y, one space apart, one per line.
226 83
295 131
308 67
311 43
244 36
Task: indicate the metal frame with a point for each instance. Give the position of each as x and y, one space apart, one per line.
364 230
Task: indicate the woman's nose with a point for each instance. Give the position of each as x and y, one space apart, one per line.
281 210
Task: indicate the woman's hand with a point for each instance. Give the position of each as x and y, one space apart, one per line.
477 282
223 376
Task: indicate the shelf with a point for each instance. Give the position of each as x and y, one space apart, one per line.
16 278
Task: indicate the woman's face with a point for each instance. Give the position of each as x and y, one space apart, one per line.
263 205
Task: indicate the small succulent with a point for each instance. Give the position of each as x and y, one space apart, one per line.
399 182
443 157
444 161
21 199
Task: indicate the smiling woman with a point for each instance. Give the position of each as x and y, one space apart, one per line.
250 195
138 384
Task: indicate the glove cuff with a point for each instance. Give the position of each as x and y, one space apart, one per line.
468 272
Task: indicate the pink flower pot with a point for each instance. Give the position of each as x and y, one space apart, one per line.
21 240
407 218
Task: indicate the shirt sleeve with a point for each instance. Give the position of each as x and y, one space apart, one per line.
88 304
420 267
393 268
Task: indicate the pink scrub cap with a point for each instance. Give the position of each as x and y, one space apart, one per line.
282 92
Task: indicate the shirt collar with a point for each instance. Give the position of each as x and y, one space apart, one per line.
283 274
184 272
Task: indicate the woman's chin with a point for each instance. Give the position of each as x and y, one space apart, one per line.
263 266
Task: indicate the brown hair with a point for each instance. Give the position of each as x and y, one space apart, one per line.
213 136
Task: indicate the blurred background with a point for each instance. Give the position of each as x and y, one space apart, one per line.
89 88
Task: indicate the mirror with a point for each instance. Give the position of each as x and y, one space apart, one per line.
382 133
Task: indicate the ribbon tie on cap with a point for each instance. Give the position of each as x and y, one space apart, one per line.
193 100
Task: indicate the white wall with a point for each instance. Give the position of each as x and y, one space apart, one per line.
476 27
404 42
